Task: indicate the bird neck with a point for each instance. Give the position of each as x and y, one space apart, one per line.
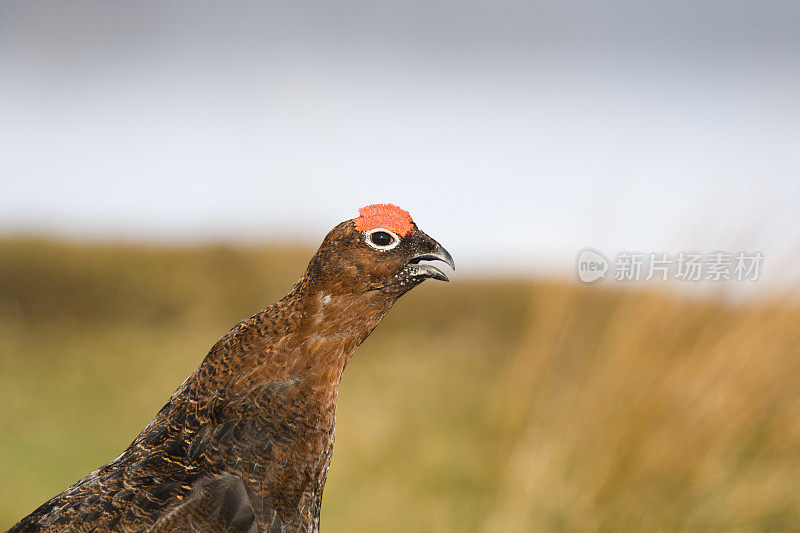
332 324
307 337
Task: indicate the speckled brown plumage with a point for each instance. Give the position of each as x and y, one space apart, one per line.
245 442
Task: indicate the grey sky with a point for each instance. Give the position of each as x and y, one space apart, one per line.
515 132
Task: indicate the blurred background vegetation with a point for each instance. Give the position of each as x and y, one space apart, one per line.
482 405
516 133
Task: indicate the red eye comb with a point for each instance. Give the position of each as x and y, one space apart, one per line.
385 216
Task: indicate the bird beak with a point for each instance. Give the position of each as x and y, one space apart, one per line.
435 252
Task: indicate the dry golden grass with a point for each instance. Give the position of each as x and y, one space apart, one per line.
475 406
637 412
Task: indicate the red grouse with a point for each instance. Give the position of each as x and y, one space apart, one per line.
245 442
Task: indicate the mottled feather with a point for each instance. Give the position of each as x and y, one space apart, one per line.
245 443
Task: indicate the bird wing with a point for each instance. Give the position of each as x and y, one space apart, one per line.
231 473
221 503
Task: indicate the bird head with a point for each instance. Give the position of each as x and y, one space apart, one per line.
380 250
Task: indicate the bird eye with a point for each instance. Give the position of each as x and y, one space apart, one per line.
382 239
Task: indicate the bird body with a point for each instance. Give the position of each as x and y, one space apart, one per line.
245 443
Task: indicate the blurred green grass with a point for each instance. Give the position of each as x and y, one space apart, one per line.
481 405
